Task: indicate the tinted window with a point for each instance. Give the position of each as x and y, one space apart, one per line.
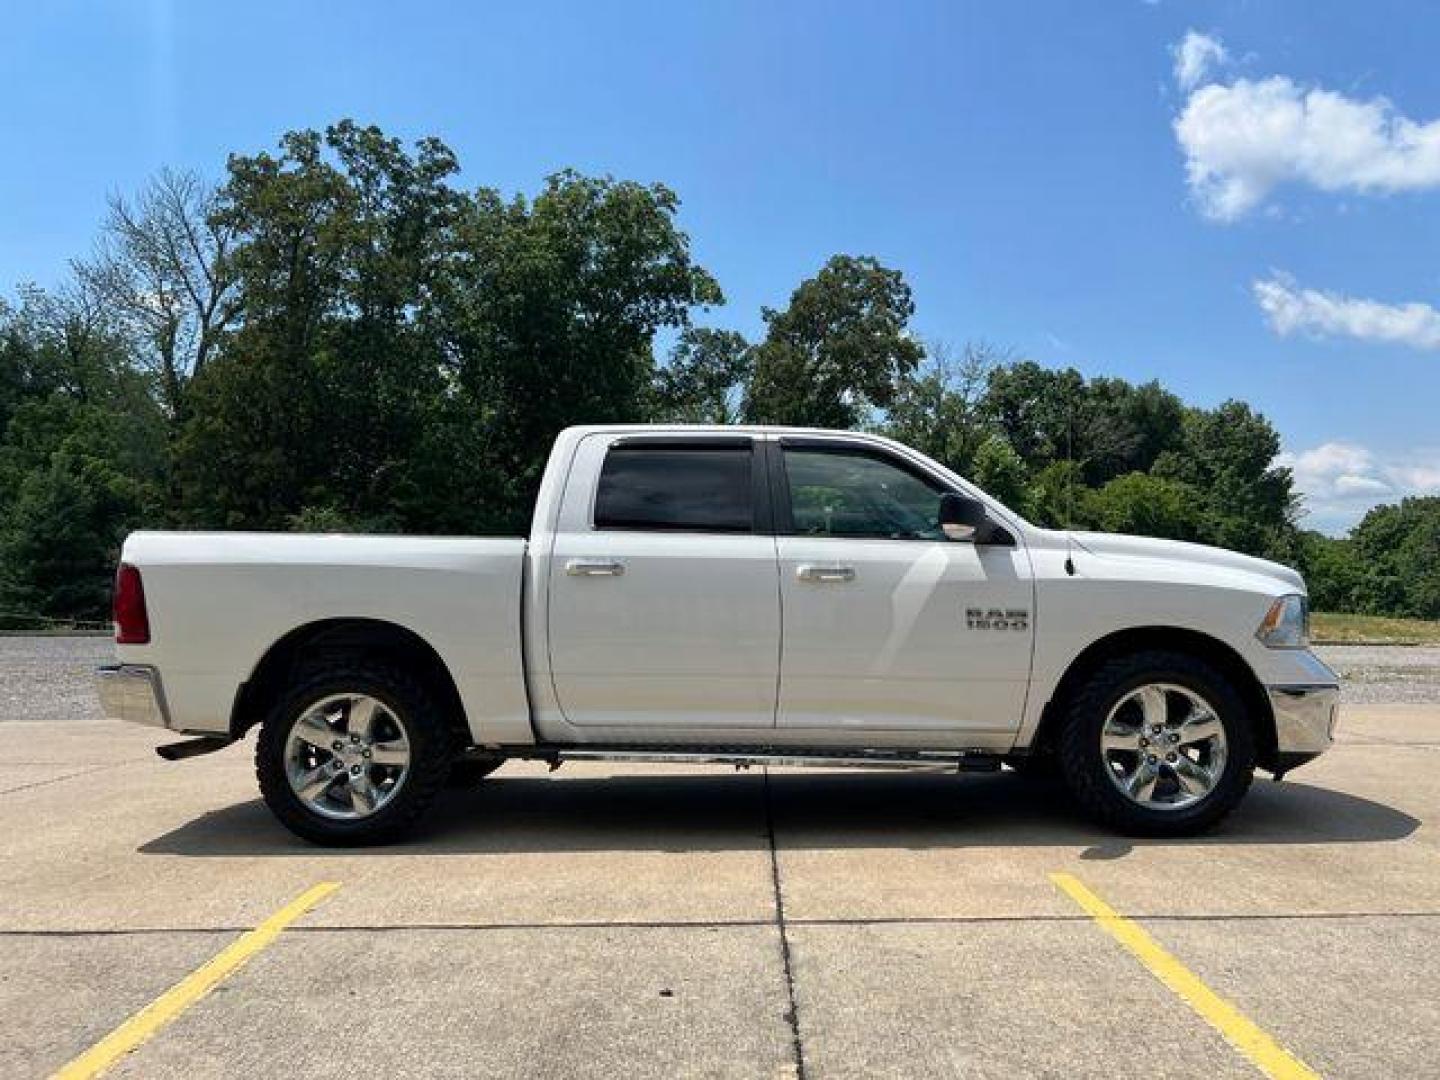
855 494
705 489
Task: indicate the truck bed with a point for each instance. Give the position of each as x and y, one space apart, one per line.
219 601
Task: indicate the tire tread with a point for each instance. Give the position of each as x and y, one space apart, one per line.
1093 790
429 767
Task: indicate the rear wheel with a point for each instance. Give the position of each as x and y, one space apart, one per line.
1158 744
352 754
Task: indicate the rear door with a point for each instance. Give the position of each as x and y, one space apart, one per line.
889 625
664 606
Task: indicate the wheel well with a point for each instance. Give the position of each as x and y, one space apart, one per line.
368 640
1141 638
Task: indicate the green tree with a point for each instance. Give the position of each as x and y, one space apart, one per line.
1400 547
1337 577
1227 455
18 365
938 409
1057 496
704 379
323 392
81 453
1106 426
60 537
550 310
839 350
1130 426
1146 505
1000 473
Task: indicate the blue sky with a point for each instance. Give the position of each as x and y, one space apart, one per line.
1259 221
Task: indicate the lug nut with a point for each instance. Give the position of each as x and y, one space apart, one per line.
365 753
1144 741
354 770
1169 757
1174 738
336 745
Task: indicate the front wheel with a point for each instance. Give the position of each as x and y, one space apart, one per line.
352 754
1157 744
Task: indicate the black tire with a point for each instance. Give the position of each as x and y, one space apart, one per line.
432 746
467 772
1088 776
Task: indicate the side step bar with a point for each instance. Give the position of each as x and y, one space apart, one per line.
745 757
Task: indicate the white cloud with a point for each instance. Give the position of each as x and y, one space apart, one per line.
1245 138
1196 57
1341 480
1361 485
1290 309
1423 479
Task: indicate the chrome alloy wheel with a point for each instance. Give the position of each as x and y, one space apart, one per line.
1164 746
347 756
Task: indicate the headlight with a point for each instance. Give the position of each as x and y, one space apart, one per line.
1287 624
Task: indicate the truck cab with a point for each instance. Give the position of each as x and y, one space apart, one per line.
758 587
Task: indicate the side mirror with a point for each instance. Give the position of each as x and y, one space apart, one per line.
961 517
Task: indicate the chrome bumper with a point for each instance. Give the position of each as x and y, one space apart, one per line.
1305 717
131 692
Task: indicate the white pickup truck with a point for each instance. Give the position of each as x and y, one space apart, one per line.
741 595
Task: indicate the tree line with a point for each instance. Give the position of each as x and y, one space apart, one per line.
339 336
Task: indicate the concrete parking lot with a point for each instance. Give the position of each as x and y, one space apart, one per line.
625 921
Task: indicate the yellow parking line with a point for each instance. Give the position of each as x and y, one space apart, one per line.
1264 1052
190 989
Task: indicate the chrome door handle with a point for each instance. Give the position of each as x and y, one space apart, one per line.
594 568
825 573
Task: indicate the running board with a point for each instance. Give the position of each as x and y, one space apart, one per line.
745 757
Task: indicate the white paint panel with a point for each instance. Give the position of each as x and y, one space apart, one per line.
218 601
688 635
892 649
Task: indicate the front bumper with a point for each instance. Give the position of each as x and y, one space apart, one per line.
132 692
1305 719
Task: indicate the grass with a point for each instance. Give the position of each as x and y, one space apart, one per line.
1331 629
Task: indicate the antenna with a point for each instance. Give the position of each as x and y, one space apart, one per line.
1070 488
1070 460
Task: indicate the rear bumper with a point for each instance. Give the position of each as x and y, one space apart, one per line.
1305 719
132 692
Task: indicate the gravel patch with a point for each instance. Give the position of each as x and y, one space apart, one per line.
1386 674
48 678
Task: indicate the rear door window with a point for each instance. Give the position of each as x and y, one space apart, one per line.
670 488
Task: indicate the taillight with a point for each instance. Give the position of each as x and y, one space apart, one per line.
132 624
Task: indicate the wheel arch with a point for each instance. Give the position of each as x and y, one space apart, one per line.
366 639
1178 639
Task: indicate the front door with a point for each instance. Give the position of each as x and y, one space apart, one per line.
664 609
888 625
